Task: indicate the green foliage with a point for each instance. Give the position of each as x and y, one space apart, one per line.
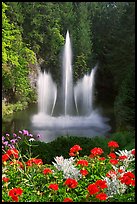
61 146
16 57
11 108
125 103
81 67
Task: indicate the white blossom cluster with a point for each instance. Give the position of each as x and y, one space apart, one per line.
67 167
114 184
128 160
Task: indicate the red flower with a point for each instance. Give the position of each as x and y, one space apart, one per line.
113 144
120 171
54 186
5 157
35 161
84 172
71 183
47 171
13 152
96 151
101 196
15 198
133 152
17 162
112 155
74 150
101 183
111 173
122 157
82 162
127 178
5 179
133 182
14 193
113 161
93 189
101 158
67 200
129 174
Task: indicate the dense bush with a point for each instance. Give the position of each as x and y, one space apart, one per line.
61 146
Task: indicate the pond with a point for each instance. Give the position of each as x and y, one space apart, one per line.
22 120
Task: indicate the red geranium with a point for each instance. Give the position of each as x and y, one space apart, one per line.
122 157
14 193
74 150
111 173
128 178
113 144
112 155
47 171
133 152
82 162
84 172
133 182
113 161
17 162
120 171
129 174
93 189
101 196
96 151
67 200
5 179
71 183
101 158
101 183
54 186
5 157
13 152
35 161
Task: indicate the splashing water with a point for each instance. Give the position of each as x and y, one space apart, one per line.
80 98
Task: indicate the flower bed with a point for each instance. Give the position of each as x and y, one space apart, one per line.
91 178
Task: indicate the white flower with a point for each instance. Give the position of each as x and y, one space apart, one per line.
31 139
128 160
66 165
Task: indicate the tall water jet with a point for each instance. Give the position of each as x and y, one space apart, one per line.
67 93
88 122
84 93
47 94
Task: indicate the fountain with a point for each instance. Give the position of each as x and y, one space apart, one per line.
77 99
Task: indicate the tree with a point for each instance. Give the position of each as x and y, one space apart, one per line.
15 59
